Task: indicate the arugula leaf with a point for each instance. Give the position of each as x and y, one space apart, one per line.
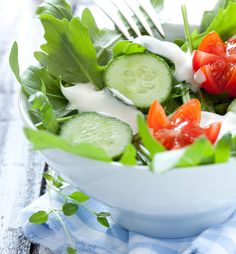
223 24
41 104
129 155
69 51
58 8
200 152
208 16
13 61
103 39
32 79
223 149
44 140
127 48
149 142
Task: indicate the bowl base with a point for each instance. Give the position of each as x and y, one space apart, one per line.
170 227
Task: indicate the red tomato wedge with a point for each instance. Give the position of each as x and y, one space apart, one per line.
212 44
212 131
183 128
157 118
190 112
201 58
217 61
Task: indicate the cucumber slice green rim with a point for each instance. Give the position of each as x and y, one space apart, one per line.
142 78
108 133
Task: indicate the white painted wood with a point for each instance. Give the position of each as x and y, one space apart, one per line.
20 168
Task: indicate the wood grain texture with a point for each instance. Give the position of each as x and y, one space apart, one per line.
20 168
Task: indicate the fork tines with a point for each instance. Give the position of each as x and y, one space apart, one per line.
129 9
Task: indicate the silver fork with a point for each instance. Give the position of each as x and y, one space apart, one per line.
130 9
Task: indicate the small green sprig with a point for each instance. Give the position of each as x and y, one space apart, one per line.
71 205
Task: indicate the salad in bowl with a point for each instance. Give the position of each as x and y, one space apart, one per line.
146 126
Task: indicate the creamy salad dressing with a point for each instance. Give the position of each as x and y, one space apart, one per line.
85 98
121 96
181 59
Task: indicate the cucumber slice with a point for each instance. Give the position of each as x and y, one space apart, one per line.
108 133
142 78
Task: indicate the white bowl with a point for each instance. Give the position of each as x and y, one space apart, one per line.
179 203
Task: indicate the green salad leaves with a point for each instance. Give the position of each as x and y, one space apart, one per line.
76 51
201 152
42 139
221 20
69 51
60 9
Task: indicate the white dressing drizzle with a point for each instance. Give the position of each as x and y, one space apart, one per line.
199 77
86 98
181 59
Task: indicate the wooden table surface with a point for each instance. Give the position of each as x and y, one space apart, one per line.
20 168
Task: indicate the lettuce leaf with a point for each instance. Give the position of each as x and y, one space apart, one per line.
127 48
14 62
129 156
42 140
201 152
69 51
147 139
208 16
223 23
58 8
40 103
31 80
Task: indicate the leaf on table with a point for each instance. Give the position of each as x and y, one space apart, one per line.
103 214
79 196
69 209
148 140
103 221
47 177
40 103
32 79
103 39
44 140
199 153
129 156
223 149
69 51
58 8
71 250
39 217
13 61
